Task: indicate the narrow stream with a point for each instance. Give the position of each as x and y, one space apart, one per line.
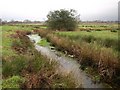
67 65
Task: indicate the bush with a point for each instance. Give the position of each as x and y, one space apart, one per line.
62 20
113 30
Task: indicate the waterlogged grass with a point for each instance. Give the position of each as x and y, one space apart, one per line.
44 42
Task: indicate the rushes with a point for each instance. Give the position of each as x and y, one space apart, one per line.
30 65
103 59
107 39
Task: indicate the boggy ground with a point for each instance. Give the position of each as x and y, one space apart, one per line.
24 67
101 60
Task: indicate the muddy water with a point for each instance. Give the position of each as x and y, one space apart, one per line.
66 66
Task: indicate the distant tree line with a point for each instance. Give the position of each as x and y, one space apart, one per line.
18 22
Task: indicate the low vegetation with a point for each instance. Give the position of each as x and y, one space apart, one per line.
104 60
44 42
104 38
95 47
13 82
84 26
24 67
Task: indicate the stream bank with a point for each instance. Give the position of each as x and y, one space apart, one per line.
66 65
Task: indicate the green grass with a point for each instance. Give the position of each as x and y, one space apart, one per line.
43 27
7 39
6 44
104 38
63 82
44 42
97 26
96 34
13 82
16 27
17 64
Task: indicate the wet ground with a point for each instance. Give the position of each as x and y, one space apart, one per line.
66 65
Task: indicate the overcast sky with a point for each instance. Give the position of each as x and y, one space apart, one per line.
38 9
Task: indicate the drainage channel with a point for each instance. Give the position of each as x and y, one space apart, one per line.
66 64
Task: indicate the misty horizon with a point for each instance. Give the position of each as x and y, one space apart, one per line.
36 10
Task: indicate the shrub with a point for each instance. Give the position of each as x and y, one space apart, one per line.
98 30
62 20
113 30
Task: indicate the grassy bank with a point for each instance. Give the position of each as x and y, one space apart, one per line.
23 66
106 39
104 60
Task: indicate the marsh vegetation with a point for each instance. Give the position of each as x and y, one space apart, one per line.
94 46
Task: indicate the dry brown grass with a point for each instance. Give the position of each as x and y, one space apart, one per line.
37 70
103 59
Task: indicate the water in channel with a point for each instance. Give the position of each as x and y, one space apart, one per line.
66 65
